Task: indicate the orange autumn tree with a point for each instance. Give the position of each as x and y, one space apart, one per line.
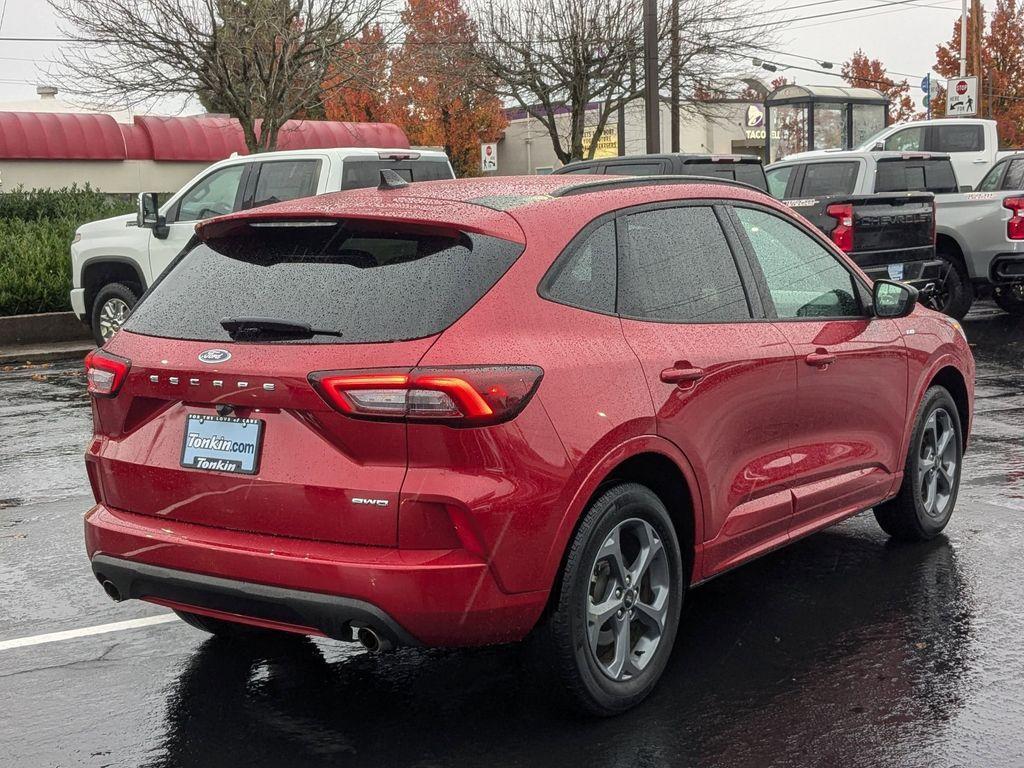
357 89
1002 55
862 72
439 90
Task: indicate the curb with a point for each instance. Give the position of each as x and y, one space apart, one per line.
42 329
39 353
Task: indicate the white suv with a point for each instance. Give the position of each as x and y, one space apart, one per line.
113 261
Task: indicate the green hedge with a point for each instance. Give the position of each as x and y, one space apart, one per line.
36 228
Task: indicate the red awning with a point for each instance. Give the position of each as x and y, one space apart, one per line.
206 139
60 136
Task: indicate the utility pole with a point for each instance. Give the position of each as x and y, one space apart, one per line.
651 99
674 82
963 39
979 28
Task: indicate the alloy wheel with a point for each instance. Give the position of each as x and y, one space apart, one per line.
112 316
628 600
937 463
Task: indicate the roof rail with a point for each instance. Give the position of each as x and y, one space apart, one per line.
647 181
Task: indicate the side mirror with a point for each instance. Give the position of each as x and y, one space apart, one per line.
148 215
892 299
966 188
879 146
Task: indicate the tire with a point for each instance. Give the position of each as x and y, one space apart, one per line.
232 630
925 501
117 299
955 295
1010 299
607 681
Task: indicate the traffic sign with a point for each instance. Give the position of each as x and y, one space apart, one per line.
488 157
926 82
962 96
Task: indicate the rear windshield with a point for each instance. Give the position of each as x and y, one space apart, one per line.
368 283
361 172
748 173
915 175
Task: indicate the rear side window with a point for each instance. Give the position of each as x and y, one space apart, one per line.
585 276
778 180
281 180
992 179
958 138
359 172
898 175
635 169
1014 178
823 179
369 283
678 267
748 173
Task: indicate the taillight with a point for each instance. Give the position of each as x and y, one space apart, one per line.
842 234
105 372
464 396
1015 226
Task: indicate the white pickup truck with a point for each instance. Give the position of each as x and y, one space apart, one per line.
113 261
979 242
972 144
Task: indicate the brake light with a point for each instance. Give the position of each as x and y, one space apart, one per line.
842 233
105 372
1015 226
465 396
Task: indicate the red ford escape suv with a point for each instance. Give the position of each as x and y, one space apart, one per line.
458 412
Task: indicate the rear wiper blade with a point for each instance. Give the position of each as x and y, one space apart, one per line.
245 327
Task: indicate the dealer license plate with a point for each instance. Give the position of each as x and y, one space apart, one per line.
222 444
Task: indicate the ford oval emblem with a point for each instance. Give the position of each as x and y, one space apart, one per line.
214 356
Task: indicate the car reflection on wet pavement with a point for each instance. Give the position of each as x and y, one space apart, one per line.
843 649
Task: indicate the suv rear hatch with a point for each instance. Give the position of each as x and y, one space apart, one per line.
223 423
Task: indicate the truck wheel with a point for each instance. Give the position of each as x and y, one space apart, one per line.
110 308
618 599
931 476
955 294
1010 299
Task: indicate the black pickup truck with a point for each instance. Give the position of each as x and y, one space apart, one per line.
888 235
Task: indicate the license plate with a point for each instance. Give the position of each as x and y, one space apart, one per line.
222 444
895 271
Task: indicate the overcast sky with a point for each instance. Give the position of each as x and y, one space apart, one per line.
902 33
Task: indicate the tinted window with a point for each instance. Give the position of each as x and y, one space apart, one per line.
281 180
678 267
803 277
585 169
907 140
822 179
748 173
214 195
959 138
897 175
358 172
991 181
635 169
373 284
585 277
778 180
1014 175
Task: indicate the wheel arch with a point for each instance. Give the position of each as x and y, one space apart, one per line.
655 463
952 380
103 270
947 242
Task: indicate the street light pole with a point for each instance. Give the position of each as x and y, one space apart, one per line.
651 101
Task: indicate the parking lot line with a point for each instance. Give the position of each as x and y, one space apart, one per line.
99 629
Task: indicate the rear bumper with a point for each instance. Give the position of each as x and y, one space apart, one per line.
916 273
1007 268
429 597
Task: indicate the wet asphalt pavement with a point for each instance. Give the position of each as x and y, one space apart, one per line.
842 649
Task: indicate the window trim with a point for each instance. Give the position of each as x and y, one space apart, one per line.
861 289
253 178
740 259
243 181
565 256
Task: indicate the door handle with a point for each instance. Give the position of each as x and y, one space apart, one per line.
979 162
681 375
820 359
